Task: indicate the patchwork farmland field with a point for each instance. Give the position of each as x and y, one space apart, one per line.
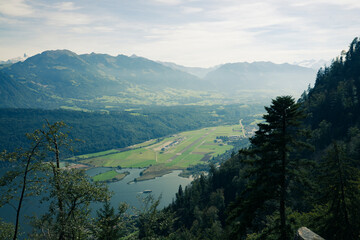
177 151
110 175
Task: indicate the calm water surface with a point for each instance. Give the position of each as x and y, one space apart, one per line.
166 186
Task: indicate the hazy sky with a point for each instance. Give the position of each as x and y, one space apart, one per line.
188 32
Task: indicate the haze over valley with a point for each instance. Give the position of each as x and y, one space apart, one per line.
63 79
179 119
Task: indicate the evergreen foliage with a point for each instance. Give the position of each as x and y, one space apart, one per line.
272 164
336 215
266 191
108 224
325 198
69 191
152 223
333 103
100 131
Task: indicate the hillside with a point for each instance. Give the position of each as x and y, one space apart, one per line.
64 79
196 71
333 103
301 168
64 75
119 129
246 199
14 94
273 79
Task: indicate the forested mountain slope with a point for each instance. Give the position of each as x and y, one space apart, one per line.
257 76
14 94
62 74
61 78
117 129
302 168
334 102
290 176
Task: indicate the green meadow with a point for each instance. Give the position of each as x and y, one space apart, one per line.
177 151
109 175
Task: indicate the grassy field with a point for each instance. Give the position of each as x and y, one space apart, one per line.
176 152
110 175
154 171
90 155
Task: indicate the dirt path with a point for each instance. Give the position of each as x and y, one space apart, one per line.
242 127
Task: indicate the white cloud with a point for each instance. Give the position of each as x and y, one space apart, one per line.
252 15
168 2
347 4
216 40
103 29
91 30
67 18
350 4
190 32
66 6
9 21
15 8
190 10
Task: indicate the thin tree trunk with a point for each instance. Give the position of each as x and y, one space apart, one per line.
56 170
23 190
60 202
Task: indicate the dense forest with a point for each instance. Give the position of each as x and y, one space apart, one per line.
99 131
301 169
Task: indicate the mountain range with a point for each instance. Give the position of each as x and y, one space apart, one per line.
312 63
61 78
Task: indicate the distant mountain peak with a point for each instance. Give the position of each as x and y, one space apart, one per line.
196 71
62 76
59 52
15 60
312 63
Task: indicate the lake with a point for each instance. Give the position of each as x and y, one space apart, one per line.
166 186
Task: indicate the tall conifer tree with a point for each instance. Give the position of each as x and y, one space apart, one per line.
337 215
272 163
